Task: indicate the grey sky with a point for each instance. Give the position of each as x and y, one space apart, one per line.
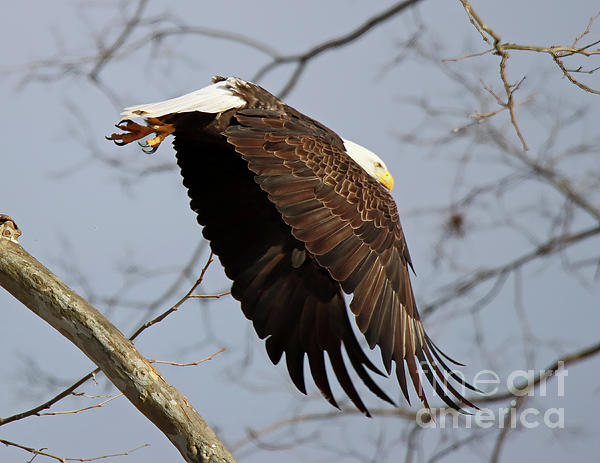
89 221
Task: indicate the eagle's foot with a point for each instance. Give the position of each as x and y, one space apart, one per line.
133 131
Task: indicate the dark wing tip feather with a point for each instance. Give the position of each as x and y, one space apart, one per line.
413 372
274 350
359 360
433 349
295 366
341 373
316 362
401 377
426 368
441 352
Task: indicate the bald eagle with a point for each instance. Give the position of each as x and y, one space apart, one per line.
299 216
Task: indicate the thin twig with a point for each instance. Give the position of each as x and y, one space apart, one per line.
190 364
66 412
209 296
36 410
473 55
587 29
569 76
178 304
65 459
483 29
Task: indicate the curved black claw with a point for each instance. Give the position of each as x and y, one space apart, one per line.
147 149
116 140
122 122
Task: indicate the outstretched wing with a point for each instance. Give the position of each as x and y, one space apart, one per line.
349 223
292 301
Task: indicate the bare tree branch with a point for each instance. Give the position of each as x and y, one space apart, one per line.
44 294
302 59
508 88
129 27
501 49
504 430
569 359
183 29
551 246
559 182
9 225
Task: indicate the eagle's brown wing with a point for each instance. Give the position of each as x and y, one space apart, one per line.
349 224
291 299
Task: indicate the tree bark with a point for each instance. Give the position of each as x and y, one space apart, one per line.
49 298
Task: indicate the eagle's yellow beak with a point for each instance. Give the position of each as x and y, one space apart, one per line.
386 180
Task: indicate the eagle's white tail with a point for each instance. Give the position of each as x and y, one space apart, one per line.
215 98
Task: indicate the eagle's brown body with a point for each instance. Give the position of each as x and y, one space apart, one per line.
296 222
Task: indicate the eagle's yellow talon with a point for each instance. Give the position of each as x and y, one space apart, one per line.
133 131
154 142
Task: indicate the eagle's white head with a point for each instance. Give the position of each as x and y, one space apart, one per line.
370 162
